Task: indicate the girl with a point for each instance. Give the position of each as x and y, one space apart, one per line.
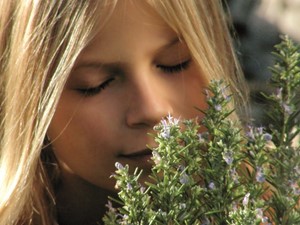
82 85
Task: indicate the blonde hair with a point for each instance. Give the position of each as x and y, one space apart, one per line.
205 29
39 43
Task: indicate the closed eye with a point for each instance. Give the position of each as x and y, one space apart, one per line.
95 90
175 68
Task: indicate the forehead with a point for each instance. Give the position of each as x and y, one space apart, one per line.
132 12
130 22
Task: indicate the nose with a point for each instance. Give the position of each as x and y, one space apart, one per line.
149 103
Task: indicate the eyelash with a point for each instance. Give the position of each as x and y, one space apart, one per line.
175 68
167 69
95 90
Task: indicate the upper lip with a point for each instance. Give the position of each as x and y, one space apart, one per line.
139 153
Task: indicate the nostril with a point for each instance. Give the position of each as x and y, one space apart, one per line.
145 117
149 101
147 113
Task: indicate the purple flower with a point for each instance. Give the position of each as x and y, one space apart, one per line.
246 199
218 107
268 137
212 186
260 215
287 109
260 176
184 178
228 157
225 96
255 132
260 130
166 129
110 207
119 166
250 133
156 157
166 126
129 187
172 121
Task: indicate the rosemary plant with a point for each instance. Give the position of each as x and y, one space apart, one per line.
214 172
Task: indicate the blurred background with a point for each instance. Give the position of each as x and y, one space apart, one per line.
258 25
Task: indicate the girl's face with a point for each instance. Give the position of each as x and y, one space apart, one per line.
135 72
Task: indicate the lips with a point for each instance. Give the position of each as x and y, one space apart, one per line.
138 154
138 159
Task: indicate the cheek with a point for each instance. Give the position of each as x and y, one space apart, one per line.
192 95
80 120
82 139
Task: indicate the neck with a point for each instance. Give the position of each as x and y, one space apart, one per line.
80 202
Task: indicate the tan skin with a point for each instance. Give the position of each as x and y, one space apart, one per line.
135 72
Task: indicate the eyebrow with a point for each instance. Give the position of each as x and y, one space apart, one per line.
111 68
93 64
173 42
